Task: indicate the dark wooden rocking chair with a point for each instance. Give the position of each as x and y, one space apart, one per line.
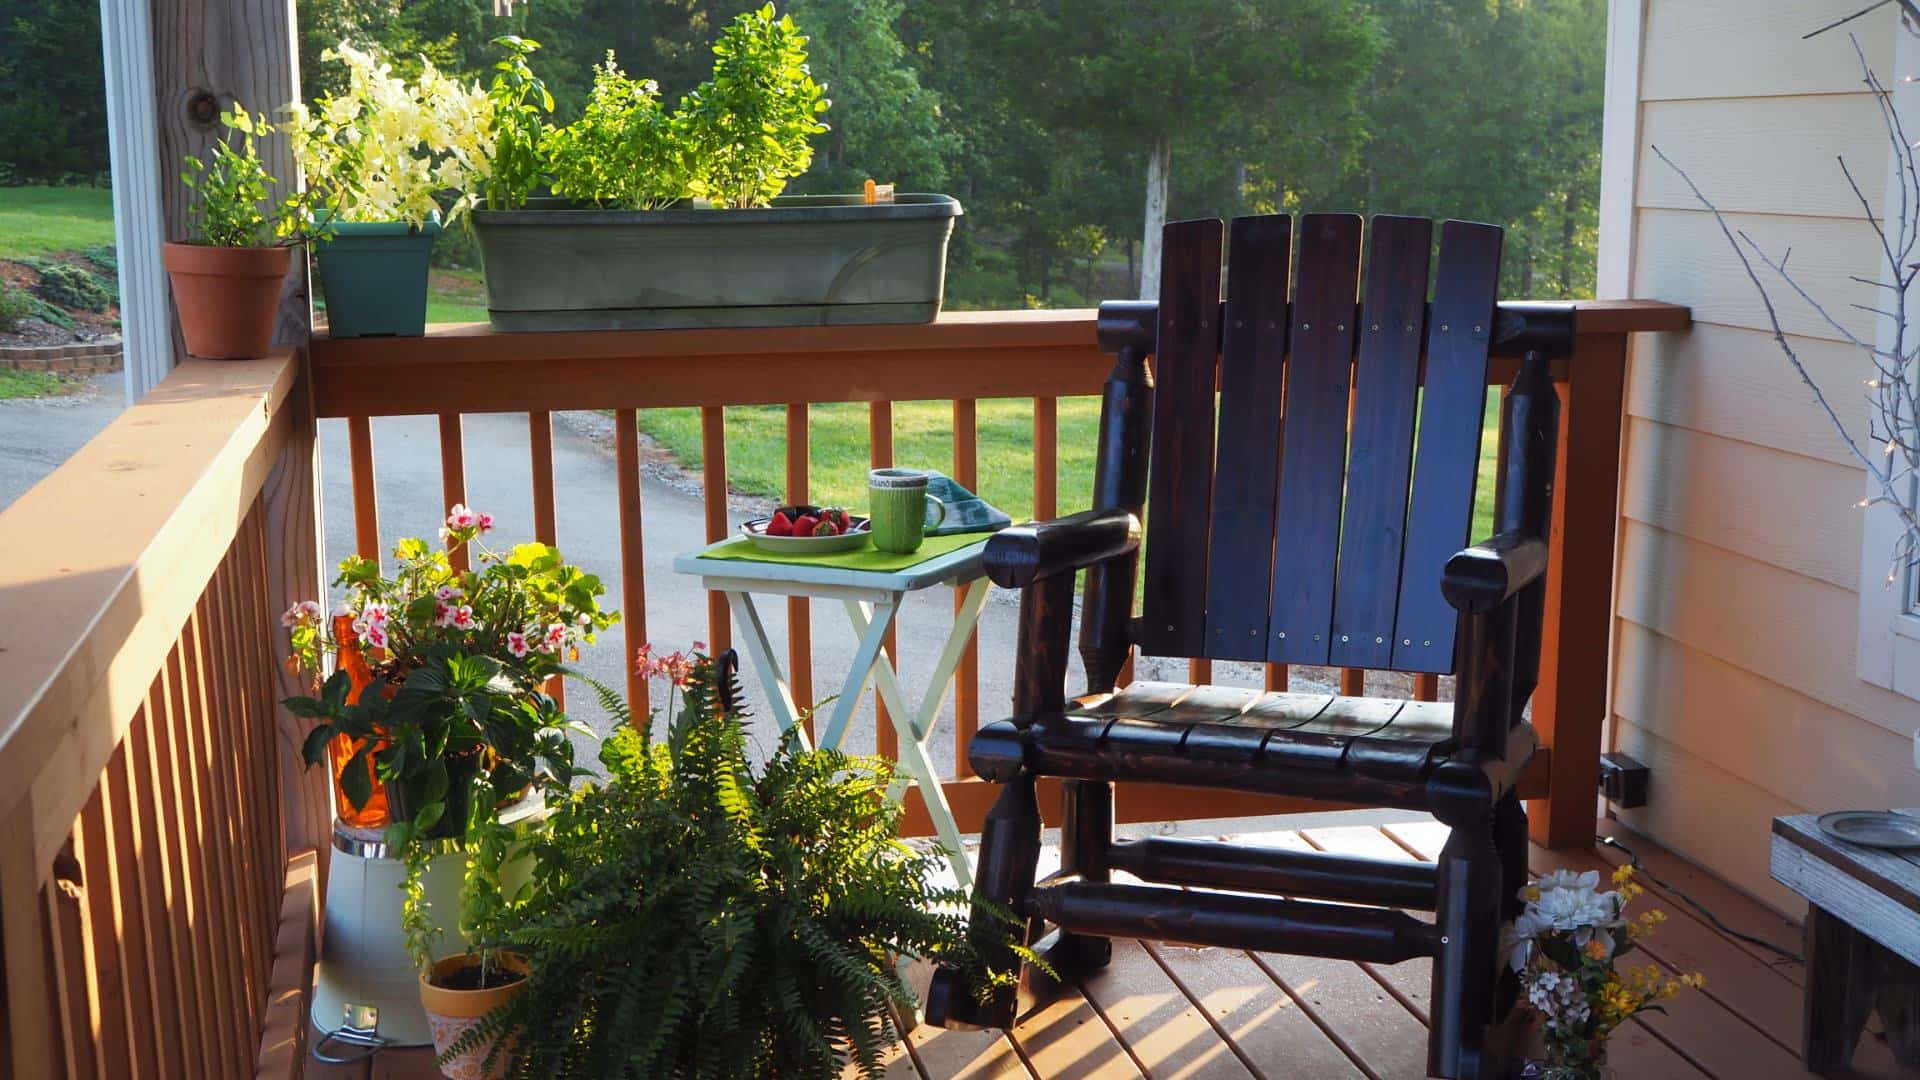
1294 535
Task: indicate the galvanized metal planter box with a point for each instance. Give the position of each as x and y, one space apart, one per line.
807 260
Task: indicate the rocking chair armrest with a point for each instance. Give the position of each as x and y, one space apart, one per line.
1486 575
1020 555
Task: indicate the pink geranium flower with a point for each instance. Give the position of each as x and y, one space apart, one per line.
460 517
484 522
555 638
517 644
374 637
448 593
375 614
463 617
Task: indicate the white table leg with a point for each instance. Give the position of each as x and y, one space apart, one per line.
873 638
760 650
916 725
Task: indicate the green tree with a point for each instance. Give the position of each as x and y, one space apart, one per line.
53 115
884 123
1152 75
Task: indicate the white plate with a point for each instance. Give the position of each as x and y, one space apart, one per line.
859 532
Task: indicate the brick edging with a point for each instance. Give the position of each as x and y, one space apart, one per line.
89 359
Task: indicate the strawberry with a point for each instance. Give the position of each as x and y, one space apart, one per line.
826 528
778 525
837 516
804 526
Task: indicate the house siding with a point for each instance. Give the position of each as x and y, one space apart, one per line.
1737 602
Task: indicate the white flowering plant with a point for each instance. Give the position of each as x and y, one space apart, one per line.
392 149
1564 947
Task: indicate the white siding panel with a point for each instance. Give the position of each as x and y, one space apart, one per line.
1710 816
1765 155
1684 258
1760 730
1753 48
1737 384
1790 629
1794 512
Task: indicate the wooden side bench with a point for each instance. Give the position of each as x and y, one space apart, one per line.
1862 939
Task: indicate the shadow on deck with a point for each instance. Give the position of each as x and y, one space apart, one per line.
1164 1011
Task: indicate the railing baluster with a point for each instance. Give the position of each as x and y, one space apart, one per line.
366 512
203 830
263 622
546 525
71 954
187 703
453 477
190 969
713 479
880 442
799 608
169 986
115 1031
633 584
1276 676
966 676
129 909
1353 682
1046 458
1426 688
228 829
1200 671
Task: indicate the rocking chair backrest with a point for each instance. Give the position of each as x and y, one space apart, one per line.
1315 527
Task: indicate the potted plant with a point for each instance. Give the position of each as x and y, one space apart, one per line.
1565 947
700 915
459 725
228 275
378 155
675 219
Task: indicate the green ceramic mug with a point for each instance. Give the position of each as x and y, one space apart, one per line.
897 503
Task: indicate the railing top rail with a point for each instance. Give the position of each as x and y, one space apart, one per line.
468 368
106 558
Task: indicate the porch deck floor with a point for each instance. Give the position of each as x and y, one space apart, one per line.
1165 1012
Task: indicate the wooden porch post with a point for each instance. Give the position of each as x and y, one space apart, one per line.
1570 704
206 55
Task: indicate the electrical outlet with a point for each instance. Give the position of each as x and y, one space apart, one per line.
1623 780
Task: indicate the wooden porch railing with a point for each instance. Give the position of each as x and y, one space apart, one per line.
154 923
964 357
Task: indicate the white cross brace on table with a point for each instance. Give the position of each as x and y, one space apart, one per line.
872 600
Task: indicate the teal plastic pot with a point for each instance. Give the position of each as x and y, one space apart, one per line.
806 260
374 275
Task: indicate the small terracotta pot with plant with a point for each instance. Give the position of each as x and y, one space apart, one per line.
227 277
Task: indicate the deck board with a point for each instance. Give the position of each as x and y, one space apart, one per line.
1164 1012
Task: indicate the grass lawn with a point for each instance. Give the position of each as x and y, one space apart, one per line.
31 384
50 220
923 438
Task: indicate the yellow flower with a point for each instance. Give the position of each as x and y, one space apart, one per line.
1532 894
1597 949
1622 875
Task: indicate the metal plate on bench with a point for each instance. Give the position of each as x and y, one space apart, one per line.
1872 828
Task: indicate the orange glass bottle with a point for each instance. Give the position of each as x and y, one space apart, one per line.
353 661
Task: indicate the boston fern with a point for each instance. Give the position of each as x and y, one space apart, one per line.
698 916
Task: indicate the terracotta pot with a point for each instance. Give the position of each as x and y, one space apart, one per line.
228 298
452 1013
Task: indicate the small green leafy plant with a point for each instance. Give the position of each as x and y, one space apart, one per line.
517 101
698 916
749 129
15 306
231 204
623 151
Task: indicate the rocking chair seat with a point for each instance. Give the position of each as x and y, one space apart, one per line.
1384 738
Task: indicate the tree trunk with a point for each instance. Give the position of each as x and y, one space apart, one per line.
1159 169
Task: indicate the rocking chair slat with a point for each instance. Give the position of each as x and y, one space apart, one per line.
1180 478
1386 387
1447 460
1252 369
1314 444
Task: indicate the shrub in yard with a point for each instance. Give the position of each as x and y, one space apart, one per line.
104 257
15 306
74 287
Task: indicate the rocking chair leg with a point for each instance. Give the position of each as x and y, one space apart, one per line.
1085 839
1009 854
1510 840
1464 969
